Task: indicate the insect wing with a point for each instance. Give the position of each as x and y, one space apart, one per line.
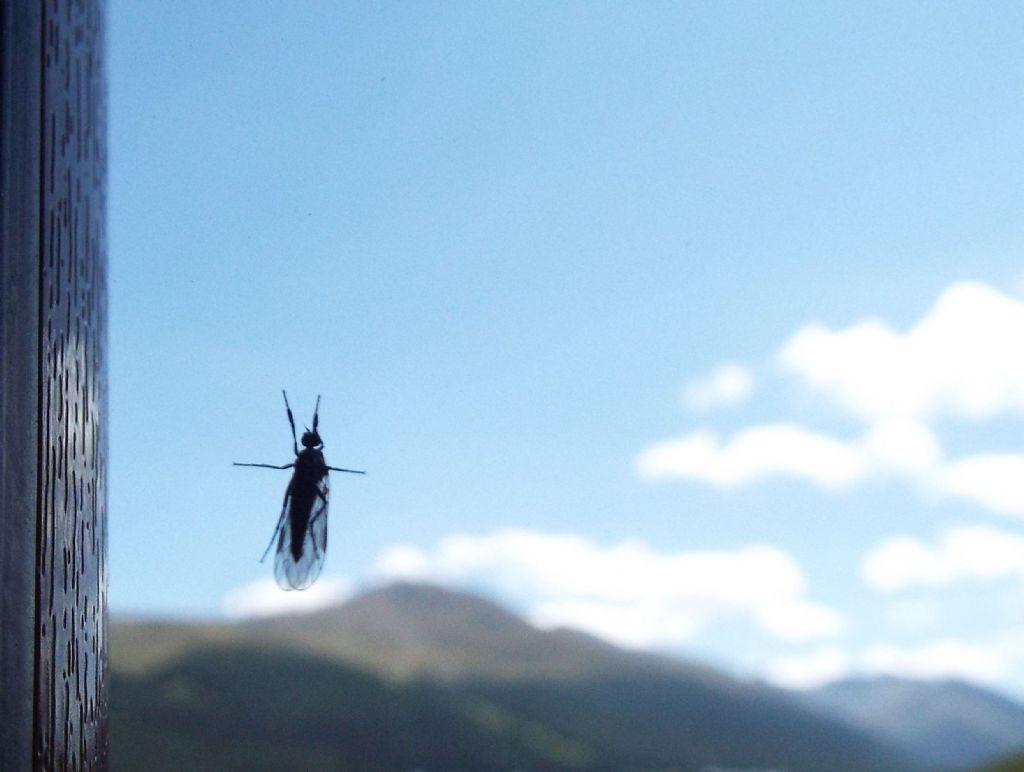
302 538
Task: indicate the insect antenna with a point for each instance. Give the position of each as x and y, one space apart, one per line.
291 422
316 413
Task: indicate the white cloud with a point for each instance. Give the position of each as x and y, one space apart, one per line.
901 446
942 659
903 562
994 480
264 598
891 447
960 359
403 563
810 670
628 593
799 620
728 384
635 625
754 454
975 552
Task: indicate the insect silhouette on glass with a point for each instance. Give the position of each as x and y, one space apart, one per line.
301 532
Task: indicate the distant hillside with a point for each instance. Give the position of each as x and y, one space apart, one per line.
414 630
1009 764
945 724
241 707
419 677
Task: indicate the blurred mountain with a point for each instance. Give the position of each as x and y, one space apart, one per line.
415 630
945 724
1013 763
417 677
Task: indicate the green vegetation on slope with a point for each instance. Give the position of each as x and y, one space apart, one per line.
420 678
243 708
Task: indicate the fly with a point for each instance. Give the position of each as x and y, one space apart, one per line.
301 531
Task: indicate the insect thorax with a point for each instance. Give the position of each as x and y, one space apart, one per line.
310 458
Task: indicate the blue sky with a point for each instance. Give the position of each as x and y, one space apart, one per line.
691 324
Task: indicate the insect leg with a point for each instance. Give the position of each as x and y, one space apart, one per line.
312 540
291 421
267 466
280 522
273 536
350 471
316 413
309 526
323 498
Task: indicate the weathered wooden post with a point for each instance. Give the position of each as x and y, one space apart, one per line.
53 536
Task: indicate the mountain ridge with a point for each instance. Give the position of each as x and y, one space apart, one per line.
946 723
454 635
522 697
